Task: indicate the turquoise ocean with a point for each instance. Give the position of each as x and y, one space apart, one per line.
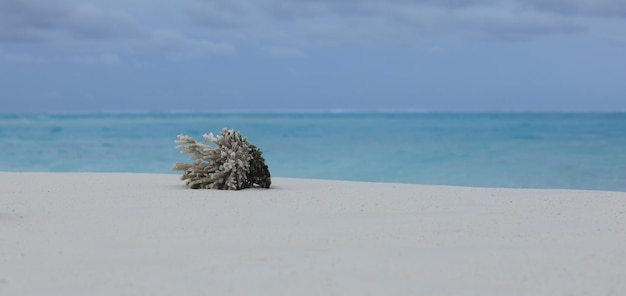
518 150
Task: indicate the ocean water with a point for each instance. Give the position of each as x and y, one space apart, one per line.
518 150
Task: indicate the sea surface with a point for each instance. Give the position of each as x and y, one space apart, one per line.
518 150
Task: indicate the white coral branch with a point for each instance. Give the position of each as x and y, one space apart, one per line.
224 167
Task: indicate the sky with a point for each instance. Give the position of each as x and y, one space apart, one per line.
80 56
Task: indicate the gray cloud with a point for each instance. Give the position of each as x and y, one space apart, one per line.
88 29
200 27
583 8
218 14
284 52
326 21
55 20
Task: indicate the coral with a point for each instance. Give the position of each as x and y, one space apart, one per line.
259 173
232 165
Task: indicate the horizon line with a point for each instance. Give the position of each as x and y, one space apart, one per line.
300 111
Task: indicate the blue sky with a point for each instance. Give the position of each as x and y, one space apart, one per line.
312 55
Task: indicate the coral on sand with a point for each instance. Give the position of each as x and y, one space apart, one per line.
259 173
232 164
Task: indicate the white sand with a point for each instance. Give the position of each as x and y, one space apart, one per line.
141 234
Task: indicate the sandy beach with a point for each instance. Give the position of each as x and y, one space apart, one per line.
147 234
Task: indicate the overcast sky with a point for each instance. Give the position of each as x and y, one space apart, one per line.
281 55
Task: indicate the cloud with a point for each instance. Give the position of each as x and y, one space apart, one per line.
22 58
198 28
510 25
285 52
181 47
401 21
581 8
58 21
218 14
76 27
